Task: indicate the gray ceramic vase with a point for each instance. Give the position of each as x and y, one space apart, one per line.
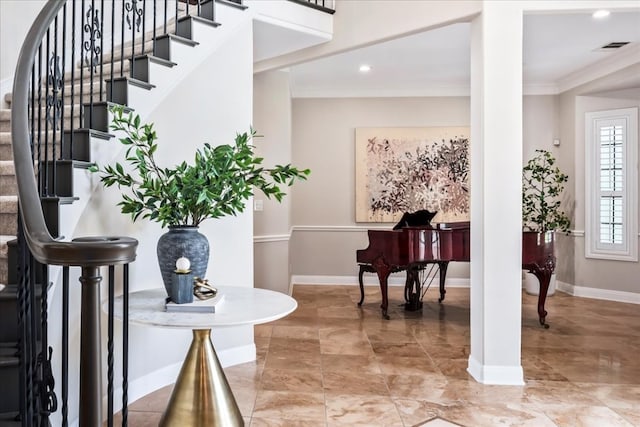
182 241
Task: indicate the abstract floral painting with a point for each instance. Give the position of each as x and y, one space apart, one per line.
407 169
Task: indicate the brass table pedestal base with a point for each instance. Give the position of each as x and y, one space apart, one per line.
202 396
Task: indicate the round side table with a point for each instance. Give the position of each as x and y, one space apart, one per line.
201 395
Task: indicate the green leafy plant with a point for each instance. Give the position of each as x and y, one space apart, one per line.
217 184
542 186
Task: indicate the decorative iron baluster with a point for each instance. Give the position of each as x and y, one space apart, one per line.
134 18
62 92
92 29
95 22
65 346
110 332
101 50
53 101
113 36
48 187
125 344
47 401
73 79
23 325
134 14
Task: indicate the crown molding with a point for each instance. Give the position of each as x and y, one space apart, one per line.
540 89
625 57
445 90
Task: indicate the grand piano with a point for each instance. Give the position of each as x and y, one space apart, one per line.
412 249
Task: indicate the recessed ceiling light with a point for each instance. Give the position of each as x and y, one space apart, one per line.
602 13
364 68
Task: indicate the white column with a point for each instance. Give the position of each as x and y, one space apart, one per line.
496 166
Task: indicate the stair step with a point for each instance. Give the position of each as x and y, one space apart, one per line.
120 93
9 419
6 151
185 25
8 184
7 361
163 44
9 351
9 400
9 204
5 120
9 215
4 258
232 3
142 66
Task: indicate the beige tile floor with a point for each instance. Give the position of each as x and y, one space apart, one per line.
331 363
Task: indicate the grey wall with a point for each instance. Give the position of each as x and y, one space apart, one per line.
595 273
326 236
271 225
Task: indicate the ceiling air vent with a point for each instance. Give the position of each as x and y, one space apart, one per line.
614 45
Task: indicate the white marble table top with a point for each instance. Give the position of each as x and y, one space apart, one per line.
241 306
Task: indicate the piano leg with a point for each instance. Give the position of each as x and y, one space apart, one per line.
363 268
412 289
542 296
544 277
383 270
442 267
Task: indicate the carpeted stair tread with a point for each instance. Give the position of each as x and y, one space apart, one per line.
4 240
9 204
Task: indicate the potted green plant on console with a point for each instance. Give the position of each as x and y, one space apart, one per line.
218 183
542 187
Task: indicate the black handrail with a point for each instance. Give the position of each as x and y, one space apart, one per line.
86 252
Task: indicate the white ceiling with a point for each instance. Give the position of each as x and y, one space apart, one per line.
557 47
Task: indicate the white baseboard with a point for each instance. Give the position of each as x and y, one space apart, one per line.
595 293
498 375
369 279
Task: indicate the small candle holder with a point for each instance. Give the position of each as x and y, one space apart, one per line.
182 282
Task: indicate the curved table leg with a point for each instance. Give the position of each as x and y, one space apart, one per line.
442 270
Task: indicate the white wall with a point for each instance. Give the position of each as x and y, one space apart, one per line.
271 226
326 235
360 23
211 104
16 17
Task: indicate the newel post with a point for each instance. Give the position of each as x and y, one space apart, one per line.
90 359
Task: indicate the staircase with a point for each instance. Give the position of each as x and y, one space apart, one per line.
86 124
9 357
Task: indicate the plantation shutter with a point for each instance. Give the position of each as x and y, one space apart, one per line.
611 141
611 228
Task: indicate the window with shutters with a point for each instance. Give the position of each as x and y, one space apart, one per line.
611 228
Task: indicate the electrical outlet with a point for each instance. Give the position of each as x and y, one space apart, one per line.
257 205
